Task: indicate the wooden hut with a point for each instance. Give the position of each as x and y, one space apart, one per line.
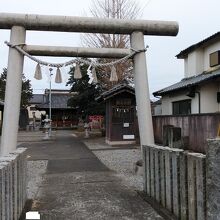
120 118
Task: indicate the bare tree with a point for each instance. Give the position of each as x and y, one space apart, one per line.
117 9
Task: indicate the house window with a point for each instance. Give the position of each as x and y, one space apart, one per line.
214 58
182 107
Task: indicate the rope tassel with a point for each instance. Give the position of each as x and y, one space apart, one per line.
114 76
58 78
38 73
94 75
77 72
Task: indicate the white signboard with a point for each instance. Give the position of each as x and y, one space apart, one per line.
32 215
126 125
128 137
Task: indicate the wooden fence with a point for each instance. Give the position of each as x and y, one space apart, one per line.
196 129
175 179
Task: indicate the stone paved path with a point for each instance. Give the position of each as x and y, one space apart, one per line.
77 185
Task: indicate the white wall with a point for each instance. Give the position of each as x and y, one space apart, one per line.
194 63
212 48
186 67
198 61
208 100
167 100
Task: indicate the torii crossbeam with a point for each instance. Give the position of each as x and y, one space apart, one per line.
20 23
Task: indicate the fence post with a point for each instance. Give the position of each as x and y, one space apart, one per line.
152 173
200 185
191 175
162 178
168 177
183 187
157 174
175 155
213 179
2 190
147 171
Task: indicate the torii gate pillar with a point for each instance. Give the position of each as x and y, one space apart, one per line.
13 92
142 90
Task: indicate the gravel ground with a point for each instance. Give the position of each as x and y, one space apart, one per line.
119 160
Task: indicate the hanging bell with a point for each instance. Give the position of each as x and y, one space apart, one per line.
94 75
58 78
77 72
38 73
114 76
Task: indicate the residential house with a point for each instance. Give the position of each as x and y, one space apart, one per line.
199 90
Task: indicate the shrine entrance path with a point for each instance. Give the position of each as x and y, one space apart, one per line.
76 185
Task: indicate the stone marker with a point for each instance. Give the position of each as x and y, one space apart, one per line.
174 137
166 129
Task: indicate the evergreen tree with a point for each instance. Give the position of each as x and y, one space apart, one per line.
85 101
26 93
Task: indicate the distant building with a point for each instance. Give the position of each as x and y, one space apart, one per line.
32 110
62 114
156 107
199 90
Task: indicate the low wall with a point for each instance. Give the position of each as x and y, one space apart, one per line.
195 128
13 184
175 179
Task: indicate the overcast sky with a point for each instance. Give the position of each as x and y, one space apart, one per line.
197 19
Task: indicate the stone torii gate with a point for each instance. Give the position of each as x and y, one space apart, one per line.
20 23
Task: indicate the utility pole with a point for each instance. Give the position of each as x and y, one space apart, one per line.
50 115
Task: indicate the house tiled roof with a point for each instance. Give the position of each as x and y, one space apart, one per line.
58 101
37 99
215 37
123 87
189 82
